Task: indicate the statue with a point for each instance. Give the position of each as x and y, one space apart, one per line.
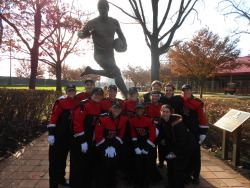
103 29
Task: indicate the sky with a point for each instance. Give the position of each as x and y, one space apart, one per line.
138 54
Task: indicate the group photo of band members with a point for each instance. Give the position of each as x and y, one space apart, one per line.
105 137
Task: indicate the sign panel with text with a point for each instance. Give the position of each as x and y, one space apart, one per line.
232 119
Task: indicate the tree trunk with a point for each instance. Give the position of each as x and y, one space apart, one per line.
34 64
155 63
201 87
1 31
58 76
35 49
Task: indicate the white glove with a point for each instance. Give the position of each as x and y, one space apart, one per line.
202 137
112 152
138 151
84 147
51 139
144 152
157 132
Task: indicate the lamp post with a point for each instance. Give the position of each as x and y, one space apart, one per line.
9 83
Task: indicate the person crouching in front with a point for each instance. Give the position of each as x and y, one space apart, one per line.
179 143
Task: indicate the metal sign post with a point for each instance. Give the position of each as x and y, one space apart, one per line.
231 122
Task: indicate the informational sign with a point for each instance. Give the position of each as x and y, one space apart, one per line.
232 119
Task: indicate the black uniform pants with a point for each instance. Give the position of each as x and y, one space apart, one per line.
58 153
194 166
83 166
144 165
107 170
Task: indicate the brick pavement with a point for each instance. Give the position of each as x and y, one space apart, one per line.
28 168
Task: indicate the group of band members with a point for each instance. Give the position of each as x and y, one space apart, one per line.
104 135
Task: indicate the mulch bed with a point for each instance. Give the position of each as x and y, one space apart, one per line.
16 140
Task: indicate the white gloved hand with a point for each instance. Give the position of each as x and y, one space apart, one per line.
144 151
112 152
202 137
138 151
51 139
84 147
107 152
157 132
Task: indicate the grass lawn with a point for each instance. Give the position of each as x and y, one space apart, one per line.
80 89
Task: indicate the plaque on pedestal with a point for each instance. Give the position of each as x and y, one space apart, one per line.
232 119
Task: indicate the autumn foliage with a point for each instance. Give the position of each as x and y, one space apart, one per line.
204 55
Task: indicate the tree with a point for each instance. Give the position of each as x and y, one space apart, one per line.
137 74
25 17
64 40
203 56
165 72
240 9
160 31
23 70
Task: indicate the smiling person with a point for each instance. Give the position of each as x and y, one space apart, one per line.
84 119
156 85
60 136
175 101
195 120
179 144
89 85
106 103
109 132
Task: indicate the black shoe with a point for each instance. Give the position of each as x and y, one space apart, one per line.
196 181
188 179
88 70
65 183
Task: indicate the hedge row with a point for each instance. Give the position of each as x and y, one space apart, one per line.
22 113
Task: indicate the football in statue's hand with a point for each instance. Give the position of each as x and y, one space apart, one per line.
119 46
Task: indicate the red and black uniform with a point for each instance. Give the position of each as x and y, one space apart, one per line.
179 140
143 135
109 131
85 116
60 127
129 108
83 95
176 102
106 104
195 120
127 151
153 111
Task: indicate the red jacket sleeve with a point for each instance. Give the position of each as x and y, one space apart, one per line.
57 110
78 120
152 131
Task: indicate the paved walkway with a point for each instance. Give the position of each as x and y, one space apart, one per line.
29 168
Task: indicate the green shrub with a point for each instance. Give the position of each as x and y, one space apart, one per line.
21 113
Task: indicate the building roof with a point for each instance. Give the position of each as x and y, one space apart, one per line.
243 69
